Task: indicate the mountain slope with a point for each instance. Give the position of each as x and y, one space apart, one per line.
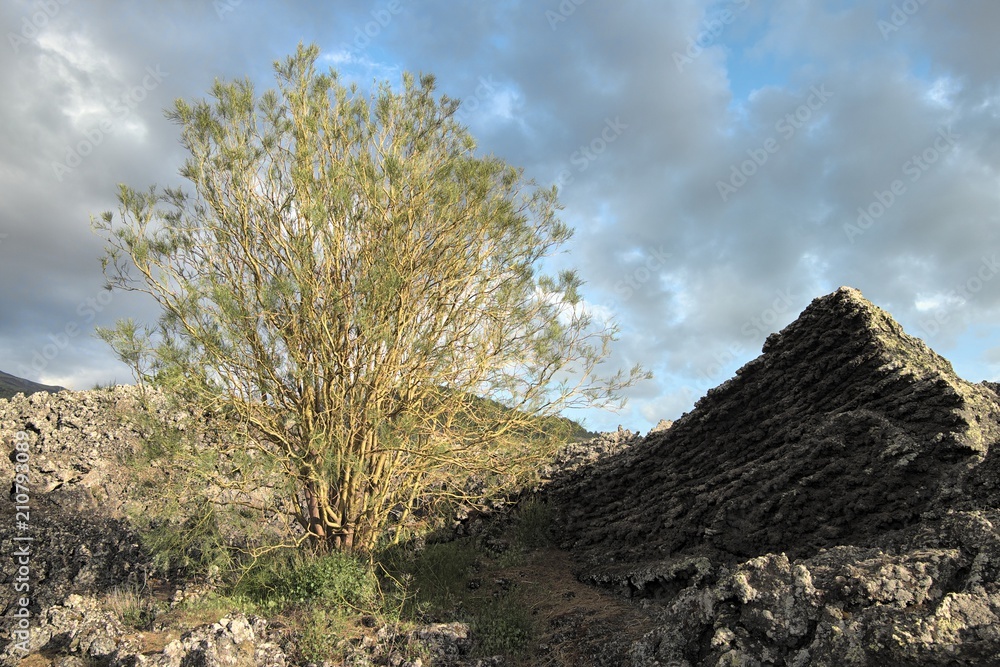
10 386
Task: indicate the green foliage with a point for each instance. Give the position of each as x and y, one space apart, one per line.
194 526
98 386
131 606
318 633
182 529
440 582
346 275
455 580
132 344
432 582
208 608
532 525
503 625
193 546
288 576
161 443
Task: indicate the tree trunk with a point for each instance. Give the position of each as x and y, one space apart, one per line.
316 526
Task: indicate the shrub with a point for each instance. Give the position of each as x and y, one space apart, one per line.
193 546
318 634
532 524
290 576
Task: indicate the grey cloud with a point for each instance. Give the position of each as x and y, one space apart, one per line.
655 185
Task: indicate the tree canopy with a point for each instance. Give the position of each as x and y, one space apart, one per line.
363 290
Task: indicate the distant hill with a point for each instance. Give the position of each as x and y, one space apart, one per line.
11 385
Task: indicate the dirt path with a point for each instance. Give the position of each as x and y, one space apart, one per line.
578 624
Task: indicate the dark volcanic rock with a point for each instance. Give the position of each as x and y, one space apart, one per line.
935 601
75 549
836 503
844 429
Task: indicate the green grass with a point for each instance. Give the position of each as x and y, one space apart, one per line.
290 576
503 625
131 605
322 598
455 580
430 584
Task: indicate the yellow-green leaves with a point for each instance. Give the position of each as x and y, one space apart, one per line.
364 291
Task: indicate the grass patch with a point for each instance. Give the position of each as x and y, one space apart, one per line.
206 609
532 525
430 584
321 633
291 576
132 606
469 580
503 625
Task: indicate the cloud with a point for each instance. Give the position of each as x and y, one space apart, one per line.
824 118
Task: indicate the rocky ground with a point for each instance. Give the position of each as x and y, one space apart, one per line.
835 503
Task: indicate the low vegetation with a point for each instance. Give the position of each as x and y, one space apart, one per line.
334 603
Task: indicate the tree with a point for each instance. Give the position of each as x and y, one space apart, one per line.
362 290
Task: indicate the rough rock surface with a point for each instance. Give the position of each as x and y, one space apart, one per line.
82 545
76 441
580 455
75 549
833 504
237 640
80 629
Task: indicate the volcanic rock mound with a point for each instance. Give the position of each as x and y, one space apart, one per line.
844 429
834 503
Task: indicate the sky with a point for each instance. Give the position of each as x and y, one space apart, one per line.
722 163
